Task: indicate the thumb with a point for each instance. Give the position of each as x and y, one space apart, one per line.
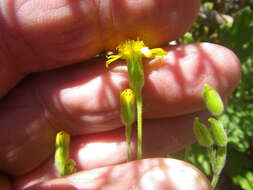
44 34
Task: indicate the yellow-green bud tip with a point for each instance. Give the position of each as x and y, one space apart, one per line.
62 139
213 100
128 107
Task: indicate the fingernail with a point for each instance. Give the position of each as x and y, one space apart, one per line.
178 176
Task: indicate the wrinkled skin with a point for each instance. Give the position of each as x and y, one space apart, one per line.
40 97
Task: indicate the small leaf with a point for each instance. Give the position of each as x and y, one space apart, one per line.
213 100
202 133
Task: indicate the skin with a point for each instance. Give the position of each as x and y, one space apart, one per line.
40 97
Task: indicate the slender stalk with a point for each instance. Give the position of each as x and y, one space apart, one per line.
133 51
217 156
128 115
215 180
128 139
136 82
219 164
139 126
187 152
212 156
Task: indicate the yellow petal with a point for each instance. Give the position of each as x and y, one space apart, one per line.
158 53
111 59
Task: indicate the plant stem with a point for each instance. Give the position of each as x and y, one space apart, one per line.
139 125
217 156
219 165
136 82
128 139
187 152
212 156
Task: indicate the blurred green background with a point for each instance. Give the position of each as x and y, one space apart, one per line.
230 23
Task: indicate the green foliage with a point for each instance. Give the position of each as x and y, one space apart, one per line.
239 168
238 118
195 154
209 5
239 115
239 35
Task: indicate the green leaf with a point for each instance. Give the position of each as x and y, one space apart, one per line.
239 168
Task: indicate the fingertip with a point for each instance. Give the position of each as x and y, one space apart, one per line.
176 175
177 81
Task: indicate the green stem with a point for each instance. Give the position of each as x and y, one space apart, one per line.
217 156
136 82
220 163
139 126
212 157
215 180
187 152
128 139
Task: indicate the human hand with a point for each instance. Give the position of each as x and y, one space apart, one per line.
39 36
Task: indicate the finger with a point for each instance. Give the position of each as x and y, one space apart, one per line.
82 102
160 138
4 183
147 174
44 34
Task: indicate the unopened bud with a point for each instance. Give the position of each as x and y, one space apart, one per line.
202 133
62 162
62 139
213 100
128 107
218 132
62 144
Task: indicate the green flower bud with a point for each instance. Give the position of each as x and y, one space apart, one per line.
62 145
62 139
62 162
202 133
218 132
213 100
128 107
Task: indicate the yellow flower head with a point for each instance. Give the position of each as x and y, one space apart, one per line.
130 48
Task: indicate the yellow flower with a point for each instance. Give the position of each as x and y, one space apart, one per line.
130 48
133 52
